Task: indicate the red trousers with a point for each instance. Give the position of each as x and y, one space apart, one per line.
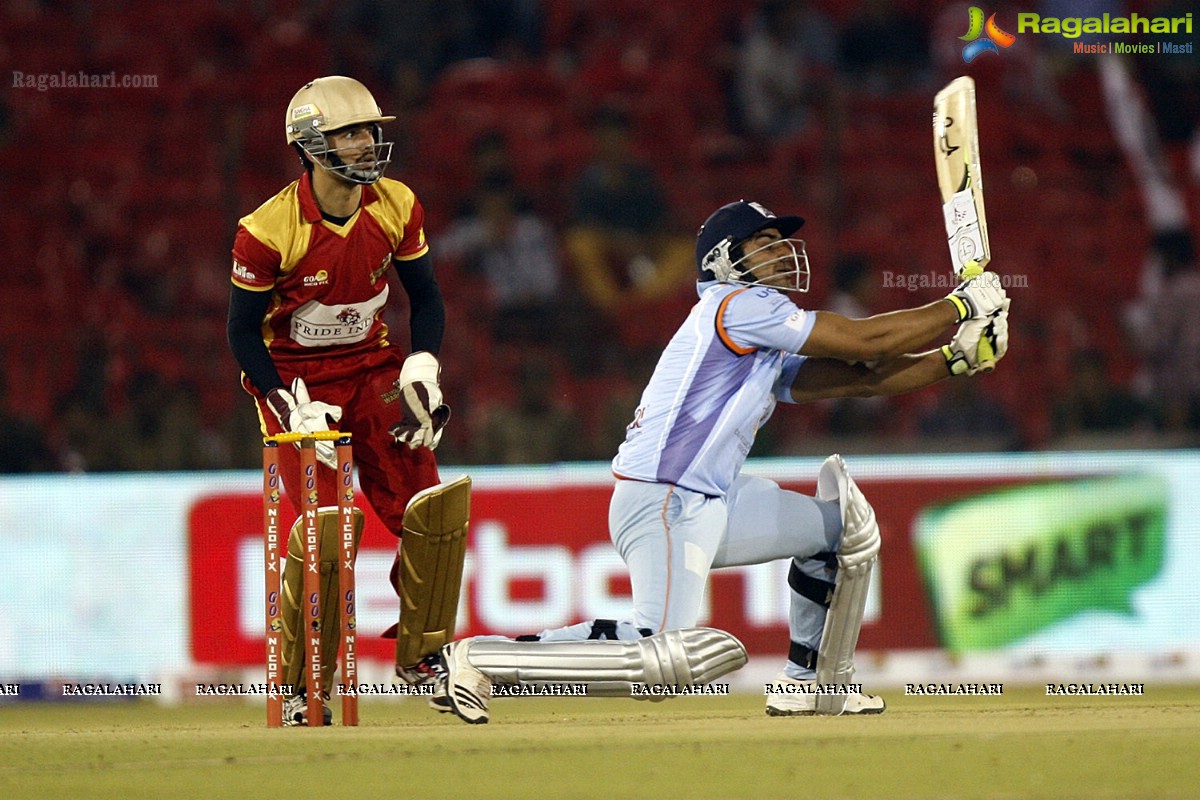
364 385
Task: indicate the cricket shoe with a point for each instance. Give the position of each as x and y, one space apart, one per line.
791 697
295 709
467 689
430 670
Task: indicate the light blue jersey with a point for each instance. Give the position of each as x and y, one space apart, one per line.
715 385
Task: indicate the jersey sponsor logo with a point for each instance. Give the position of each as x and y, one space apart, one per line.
315 324
383 268
320 279
242 272
795 321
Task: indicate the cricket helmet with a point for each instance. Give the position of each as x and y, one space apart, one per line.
329 104
719 252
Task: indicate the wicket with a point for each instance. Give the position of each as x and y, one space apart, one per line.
273 569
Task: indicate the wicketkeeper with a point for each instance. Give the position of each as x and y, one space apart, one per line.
313 269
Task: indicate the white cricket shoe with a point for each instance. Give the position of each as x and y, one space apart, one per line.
790 699
467 689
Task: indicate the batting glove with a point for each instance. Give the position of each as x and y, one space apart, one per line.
962 354
297 413
979 297
423 415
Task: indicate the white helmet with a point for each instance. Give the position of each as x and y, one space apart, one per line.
330 104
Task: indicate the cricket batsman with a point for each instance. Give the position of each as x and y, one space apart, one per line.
681 506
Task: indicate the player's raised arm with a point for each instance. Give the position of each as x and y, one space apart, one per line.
887 336
824 378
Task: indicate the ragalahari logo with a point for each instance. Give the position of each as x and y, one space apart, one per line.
996 38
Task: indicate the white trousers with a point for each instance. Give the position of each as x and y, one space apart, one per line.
671 538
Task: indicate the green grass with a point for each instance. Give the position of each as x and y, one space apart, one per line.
1020 745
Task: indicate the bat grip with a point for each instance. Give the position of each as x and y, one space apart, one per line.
987 357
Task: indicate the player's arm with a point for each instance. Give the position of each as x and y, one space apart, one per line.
427 311
423 414
886 336
243 328
824 378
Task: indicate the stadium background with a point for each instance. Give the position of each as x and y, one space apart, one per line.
121 206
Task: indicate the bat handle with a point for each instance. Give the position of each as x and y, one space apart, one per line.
987 358
971 269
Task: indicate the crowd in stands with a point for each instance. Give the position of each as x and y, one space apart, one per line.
565 153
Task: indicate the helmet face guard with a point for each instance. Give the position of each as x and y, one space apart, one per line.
334 103
721 255
725 264
330 159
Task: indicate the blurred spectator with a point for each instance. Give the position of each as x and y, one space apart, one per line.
619 239
491 159
518 255
371 36
26 445
537 428
965 413
1092 403
787 55
82 433
856 287
1172 89
162 428
5 123
1172 338
885 49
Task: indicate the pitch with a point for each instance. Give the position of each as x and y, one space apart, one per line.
1019 745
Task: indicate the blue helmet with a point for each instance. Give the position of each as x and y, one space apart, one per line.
718 253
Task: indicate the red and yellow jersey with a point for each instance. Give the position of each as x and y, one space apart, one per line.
329 282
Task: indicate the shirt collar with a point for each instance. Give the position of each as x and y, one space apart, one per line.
308 201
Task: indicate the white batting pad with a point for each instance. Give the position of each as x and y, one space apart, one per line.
676 658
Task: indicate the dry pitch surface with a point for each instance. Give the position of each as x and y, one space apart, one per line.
1021 745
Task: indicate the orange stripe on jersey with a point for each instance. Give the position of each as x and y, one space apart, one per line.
662 623
723 334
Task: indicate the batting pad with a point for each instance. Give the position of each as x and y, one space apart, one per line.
835 657
857 553
431 554
330 622
676 658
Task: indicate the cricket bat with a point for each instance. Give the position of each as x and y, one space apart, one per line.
960 180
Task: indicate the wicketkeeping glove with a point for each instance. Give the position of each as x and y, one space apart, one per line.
423 415
297 413
981 296
962 354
